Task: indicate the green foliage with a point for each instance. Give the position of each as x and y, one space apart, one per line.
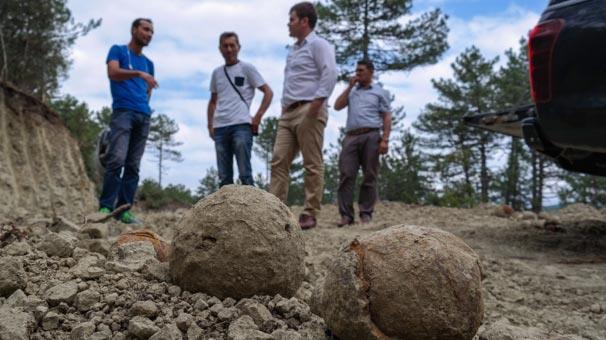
403 173
264 142
209 183
152 196
374 29
583 188
161 140
35 37
459 154
296 186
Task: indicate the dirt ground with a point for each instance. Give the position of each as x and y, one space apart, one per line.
541 282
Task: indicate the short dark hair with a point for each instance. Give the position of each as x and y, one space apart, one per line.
307 10
368 63
138 21
226 35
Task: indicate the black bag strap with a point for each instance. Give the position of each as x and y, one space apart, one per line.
234 86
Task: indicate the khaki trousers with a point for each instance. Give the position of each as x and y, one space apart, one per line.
297 131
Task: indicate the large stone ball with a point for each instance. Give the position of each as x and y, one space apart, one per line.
404 282
238 242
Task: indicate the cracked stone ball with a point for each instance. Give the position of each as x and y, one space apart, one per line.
404 282
238 242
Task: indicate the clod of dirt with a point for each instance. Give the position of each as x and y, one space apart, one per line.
238 242
404 282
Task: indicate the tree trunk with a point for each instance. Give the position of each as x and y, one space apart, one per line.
483 172
365 36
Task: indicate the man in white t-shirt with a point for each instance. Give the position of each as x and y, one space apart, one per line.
232 88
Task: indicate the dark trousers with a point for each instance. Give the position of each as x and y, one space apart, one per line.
230 141
128 135
360 150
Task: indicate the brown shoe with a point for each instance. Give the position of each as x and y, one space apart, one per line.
345 221
307 221
365 218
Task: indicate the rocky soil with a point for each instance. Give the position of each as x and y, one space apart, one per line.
545 278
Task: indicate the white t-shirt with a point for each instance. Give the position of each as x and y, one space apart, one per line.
230 109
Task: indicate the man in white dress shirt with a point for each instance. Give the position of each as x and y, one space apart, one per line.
309 79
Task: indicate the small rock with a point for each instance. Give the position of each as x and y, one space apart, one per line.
201 305
100 246
12 276
213 301
51 321
528 215
154 270
257 311
15 324
131 257
61 244
282 334
293 308
216 309
111 298
144 308
503 210
83 331
64 292
174 291
596 308
18 248
229 302
194 332
142 327
86 300
184 321
17 299
168 332
245 328
228 314
89 267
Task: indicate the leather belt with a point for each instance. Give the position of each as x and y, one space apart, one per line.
360 131
295 105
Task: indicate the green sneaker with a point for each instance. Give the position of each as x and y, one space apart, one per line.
128 218
105 210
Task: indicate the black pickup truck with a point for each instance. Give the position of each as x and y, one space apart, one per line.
567 67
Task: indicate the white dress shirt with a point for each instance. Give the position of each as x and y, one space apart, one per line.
311 70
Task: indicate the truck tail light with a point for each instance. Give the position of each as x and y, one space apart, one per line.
541 42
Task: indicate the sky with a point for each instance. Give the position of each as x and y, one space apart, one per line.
184 50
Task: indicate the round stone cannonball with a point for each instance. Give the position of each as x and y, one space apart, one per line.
238 242
404 282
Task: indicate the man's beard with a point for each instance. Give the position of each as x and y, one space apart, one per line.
141 42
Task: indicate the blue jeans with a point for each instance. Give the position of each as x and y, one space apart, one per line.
230 141
129 130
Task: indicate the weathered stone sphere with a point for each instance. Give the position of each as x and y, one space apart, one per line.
238 242
404 282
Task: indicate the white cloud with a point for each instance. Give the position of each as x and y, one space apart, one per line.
184 50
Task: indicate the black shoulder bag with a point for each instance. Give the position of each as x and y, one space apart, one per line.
234 86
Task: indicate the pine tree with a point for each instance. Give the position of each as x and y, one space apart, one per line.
460 155
513 90
373 29
209 183
403 173
35 37
264 142
161 140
